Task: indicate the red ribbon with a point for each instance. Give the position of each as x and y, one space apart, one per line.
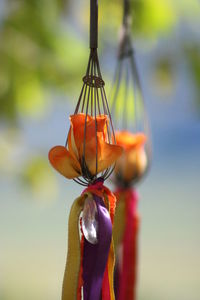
128 272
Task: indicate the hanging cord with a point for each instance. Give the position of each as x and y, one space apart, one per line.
127 14
93 24
125 45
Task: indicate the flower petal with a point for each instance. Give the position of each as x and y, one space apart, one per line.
92 127
92 152
132 164
109 155
64 162
129 140
72 145
105 154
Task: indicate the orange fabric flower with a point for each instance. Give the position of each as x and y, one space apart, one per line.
128 140
69 162
133 162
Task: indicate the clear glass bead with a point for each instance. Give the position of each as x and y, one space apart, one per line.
89 220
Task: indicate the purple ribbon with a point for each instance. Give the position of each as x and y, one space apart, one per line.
95 256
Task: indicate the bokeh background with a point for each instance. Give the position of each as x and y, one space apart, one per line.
43 56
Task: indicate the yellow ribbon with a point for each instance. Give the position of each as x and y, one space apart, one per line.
71 276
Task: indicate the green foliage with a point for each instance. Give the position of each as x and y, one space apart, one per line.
39 179
152 17
193 54
39 54
149 17
35 55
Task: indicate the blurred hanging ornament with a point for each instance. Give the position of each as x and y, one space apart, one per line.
88 158
130 118
129 111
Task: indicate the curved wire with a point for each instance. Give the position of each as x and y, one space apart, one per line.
93 102
126 70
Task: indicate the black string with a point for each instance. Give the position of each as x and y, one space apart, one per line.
93 24
127 9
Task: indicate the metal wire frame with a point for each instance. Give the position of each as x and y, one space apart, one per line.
93 102
126 72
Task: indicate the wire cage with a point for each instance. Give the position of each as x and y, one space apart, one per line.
127 102
93 104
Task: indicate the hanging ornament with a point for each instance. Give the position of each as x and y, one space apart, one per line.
132 135
88 158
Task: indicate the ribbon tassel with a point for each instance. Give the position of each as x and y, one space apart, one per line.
90 267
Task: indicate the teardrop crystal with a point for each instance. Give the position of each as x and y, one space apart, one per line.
90 220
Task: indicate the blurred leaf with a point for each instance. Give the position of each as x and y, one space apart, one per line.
149 17
164 74
193 53
35 55
39 179
30 99
11 151
152 17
